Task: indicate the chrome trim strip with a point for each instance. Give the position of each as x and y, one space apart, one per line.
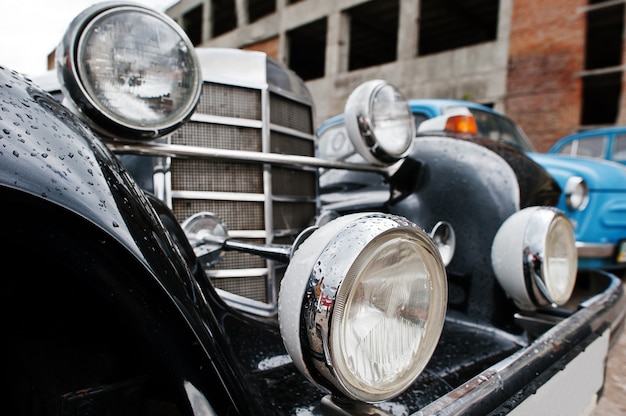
595 250
221 196
266 136
247 234
230 121
291 132
159 149
500 383
236 273
503 380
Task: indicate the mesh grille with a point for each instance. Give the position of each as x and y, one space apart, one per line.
296 189
238 215
292 182
288 113
218 136
289 145
230 101
200 175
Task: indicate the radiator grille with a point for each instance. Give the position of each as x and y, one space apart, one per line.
288 200
230 101
290 114
200 175
221 136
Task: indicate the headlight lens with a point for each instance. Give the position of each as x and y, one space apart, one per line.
379 122
535 259
576 193
131 71
374 292
560 260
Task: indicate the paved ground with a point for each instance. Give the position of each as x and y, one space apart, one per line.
613 402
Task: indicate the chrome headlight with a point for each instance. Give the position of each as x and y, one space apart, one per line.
379 122
130 71
444 237
576 193
534 257
362 305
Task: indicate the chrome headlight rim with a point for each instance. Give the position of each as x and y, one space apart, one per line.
576 193
535 259
444 237
379 122
319 335
82 94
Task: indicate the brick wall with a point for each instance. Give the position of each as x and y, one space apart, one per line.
546 50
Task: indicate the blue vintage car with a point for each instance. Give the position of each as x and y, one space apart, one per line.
594 196
607 143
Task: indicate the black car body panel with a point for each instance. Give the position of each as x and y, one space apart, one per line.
143 286
108 310
474 185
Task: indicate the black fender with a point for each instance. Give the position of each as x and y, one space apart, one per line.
474 185
475 188
102 306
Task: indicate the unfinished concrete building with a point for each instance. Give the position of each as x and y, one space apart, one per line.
555 67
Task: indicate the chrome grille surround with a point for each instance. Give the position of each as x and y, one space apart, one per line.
260 202
255 120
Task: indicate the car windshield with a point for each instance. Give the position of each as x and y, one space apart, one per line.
501 129
619 148
593 146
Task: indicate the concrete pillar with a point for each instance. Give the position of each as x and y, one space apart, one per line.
337 43
408 31
241 9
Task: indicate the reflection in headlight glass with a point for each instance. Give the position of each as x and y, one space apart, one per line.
137 68
392 120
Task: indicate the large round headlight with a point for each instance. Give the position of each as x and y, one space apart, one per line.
362 305
535 259
130 71
379 122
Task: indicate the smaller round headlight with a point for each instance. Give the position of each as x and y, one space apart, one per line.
534 257
206 233
362 305
131 72
576 193
379 122
444 237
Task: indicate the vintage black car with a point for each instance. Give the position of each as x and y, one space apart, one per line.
185 263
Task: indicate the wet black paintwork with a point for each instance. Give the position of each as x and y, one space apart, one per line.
474 184
53 166
75 224
68 204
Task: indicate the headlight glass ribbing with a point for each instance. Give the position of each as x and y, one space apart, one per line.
373 296
383 318
130 70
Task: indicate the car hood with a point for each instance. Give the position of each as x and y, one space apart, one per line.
600 175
